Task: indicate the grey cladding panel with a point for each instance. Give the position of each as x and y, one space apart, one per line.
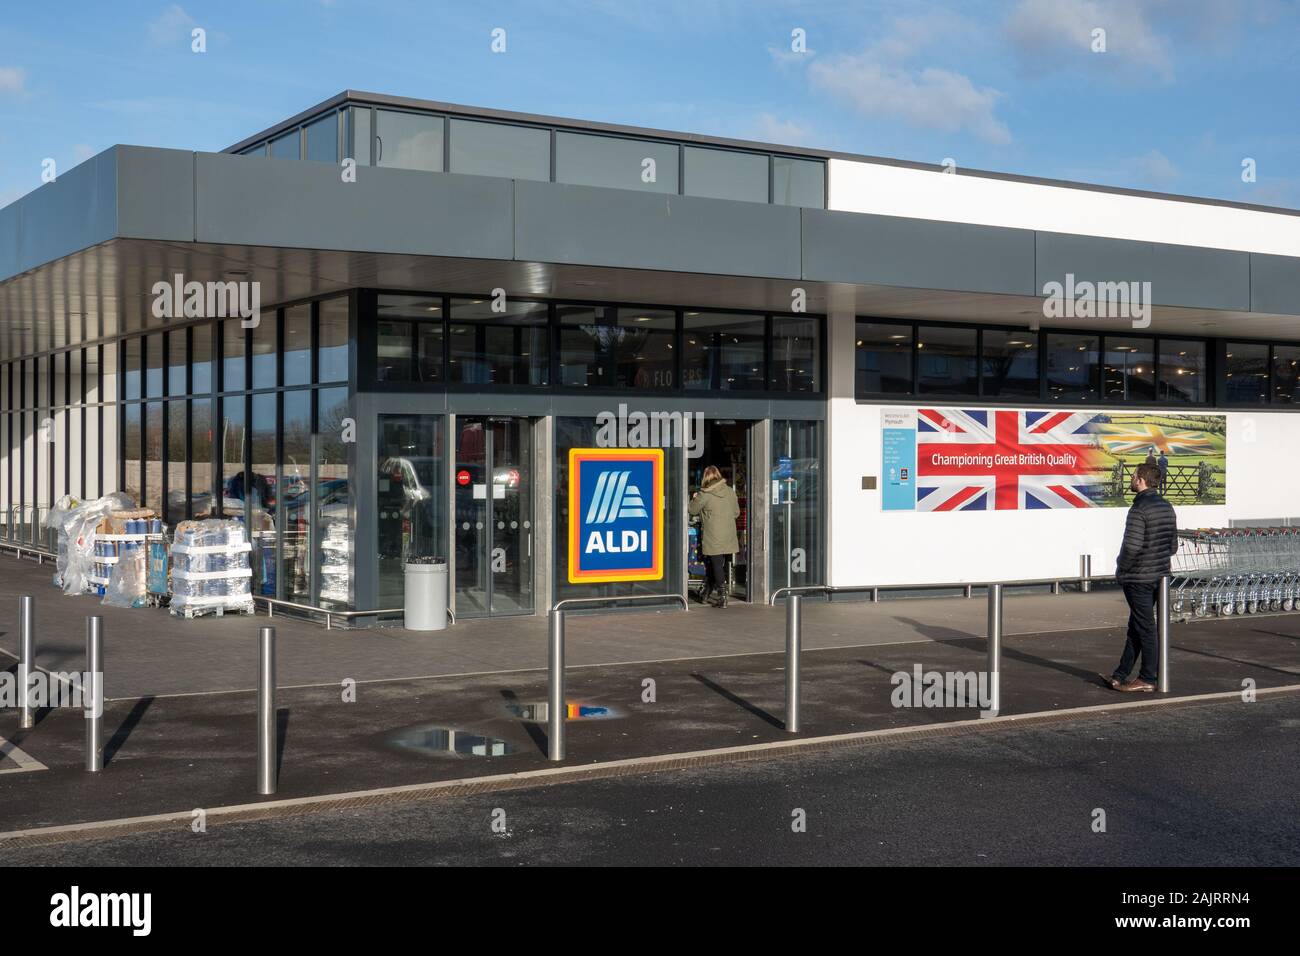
155 189
1091 259
917 253
1274 284
616 227
76 211
258 201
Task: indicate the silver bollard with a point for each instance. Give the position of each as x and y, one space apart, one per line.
1162 611
793 644
995 648
95 708
1085 573
555 705
26 662
266 735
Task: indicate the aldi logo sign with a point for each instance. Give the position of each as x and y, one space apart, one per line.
616 523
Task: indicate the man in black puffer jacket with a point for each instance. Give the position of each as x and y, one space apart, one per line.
1150 540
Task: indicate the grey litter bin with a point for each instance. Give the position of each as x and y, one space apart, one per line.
426 596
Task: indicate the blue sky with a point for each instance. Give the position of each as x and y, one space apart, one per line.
1185 90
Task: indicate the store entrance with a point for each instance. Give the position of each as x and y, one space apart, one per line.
727 445
494 516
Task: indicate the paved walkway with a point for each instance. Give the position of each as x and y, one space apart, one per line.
149 652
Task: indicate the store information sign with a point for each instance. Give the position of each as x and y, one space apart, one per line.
616 515
898 459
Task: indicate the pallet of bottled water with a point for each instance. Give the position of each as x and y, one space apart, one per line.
210 569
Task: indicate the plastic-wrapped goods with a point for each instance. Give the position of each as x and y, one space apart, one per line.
80 528
126 585
62 510
210 568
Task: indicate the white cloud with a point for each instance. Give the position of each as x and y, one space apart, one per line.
1156 170
882 82
13 79
172 26
770 129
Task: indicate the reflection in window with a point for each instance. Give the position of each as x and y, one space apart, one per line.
322 139
201 458
360 135
286 146
798 548
154 364
332 362
293 498
233 347
883 358
411 494
177 363
495 149
334 555
508 347
264 352
796 353
1010 364
408 140
262 503
132 448
615 162
233 440
607 347
725 174
297 345
1128 373
131 380
1246 374
201 360
1182 371
945 360
723 351
153 443
1286 374
177 492
1072 368
409 334
798 182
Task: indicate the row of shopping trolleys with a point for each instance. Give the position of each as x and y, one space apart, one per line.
1228 571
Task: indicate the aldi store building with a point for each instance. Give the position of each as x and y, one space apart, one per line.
410 329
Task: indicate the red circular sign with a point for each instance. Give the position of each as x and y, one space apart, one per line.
462 477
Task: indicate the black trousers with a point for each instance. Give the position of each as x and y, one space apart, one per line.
1142 640
715 573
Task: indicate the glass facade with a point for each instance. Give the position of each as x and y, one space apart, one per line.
725 174
497 149
609 347
798 554
723 351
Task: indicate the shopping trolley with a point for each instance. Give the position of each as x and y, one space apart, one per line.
1227 571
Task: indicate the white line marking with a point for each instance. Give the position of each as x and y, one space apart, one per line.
24 760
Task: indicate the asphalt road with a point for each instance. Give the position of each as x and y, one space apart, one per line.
1215 784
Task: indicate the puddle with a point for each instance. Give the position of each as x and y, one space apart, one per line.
577 710
446 741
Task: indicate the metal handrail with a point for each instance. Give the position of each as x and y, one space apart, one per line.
968 585
330 613
559 605
19 549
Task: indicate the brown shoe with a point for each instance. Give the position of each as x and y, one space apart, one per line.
1111 682
1136 687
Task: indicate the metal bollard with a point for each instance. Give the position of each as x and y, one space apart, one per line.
1085 573
793 644
266 735
555 705
95 711
1162 610
26 662
995 648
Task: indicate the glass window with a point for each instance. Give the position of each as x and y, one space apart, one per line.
1128 373
332 362
360 134
333 501
322 139
233 439
884 358
201 458
132 449
257 150
798 182
1286 374
723 351
177 363
510 347
798 544
261 494
297 345
616 163
265 356
946 360
153 354
1072 367
1182 371
177 492
408 140
201 360
293 498
1246 373
233 348
606 347
1010 364
796 353
494 149
725 174
412 493
131 381
286 146
409 334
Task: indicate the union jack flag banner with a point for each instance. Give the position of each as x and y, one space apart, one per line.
971 459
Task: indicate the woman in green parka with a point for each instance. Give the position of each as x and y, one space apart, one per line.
715 504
